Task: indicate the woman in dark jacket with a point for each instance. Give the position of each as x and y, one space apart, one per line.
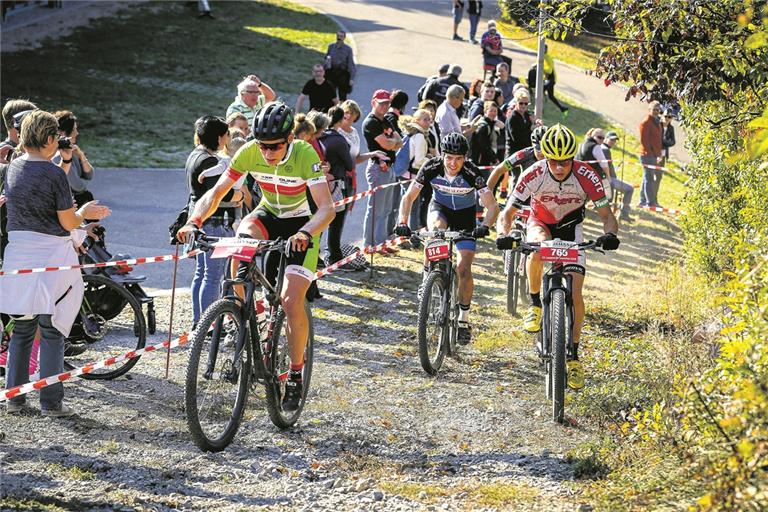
339 158
211 135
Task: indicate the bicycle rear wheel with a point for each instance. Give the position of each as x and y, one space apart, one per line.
279 365
511 268
104 337
559 335
216 388
433 325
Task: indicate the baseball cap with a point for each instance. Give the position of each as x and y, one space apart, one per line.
381 95
611 135
455 70
444 68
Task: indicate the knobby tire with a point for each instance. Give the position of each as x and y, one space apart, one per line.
559 336
430 310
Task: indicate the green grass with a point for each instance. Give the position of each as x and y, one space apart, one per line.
138 80
581 50
497 495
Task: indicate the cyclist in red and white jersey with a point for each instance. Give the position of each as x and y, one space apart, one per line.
558 188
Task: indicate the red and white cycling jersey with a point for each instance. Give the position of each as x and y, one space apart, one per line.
551 200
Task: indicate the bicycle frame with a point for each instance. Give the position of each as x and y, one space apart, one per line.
555 279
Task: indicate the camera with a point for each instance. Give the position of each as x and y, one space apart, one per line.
65 143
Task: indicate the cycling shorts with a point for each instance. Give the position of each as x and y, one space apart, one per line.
571 233
303 264
457 220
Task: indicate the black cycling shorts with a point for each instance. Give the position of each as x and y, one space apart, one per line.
458 220
273 227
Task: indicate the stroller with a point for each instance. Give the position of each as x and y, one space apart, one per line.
110 305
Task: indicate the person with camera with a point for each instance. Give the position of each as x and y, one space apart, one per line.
42 223
80 170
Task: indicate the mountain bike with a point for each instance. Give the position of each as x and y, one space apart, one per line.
438 323
240 343
555 340
515 269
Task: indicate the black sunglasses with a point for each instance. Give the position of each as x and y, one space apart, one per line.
272 147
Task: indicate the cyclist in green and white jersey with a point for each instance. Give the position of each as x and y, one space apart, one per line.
296 204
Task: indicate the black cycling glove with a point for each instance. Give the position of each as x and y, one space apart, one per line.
608 241
481 231
512 241
402 230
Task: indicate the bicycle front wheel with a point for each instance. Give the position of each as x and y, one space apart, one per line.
216 389
279 366
95 337
511 267
433 325
559 335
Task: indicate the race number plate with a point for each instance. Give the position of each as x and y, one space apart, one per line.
238 248
559 251
438 251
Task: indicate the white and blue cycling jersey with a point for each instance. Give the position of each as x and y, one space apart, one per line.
457 193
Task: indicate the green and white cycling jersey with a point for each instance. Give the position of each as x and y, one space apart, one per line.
284 186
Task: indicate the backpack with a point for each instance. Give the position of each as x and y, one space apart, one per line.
403 158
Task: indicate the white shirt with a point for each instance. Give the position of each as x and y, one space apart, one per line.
447 118
353 139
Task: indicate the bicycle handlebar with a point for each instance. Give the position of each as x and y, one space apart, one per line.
206 242
443 234
529 247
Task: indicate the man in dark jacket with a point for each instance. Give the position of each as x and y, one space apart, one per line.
438 88
483 147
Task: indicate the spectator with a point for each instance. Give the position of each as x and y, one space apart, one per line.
667 134
341 164
447 118
439 88
42 223
417 129
340 66
519 124
505 82
380 136
457 11
349 132
211 136
474 9
490 44
433 138
252 94
321 92
616 184
550 80
303 128
483 147
651 147
475 89
421 94
81 169
239 121
11 110
477 106
591 152
399 100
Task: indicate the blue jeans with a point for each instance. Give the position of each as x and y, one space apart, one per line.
414 220
206 283
379 204
651 179
51 359
474 19
626 189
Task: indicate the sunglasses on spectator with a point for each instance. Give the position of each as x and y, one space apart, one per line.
252 92
522 103
600 137
276 146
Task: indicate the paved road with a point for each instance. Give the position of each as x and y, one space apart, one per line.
409 37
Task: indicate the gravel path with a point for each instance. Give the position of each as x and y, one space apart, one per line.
377 434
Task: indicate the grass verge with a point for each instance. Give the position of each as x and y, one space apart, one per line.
138 80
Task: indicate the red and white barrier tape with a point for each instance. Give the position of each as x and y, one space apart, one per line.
352 199
365 250
133 261
658 209
660 168
88 368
